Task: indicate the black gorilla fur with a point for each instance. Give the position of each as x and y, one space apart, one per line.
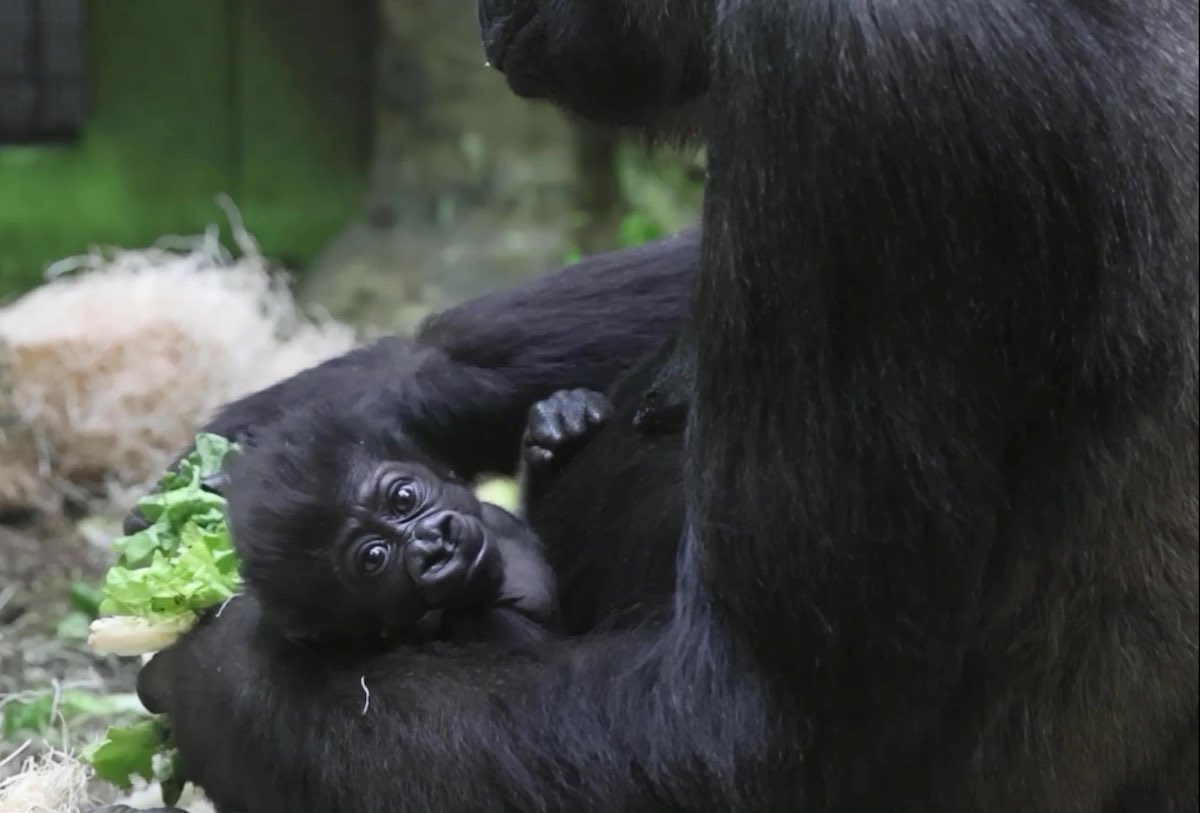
940 464
349 536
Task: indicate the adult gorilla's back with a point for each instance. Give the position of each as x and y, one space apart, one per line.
941 465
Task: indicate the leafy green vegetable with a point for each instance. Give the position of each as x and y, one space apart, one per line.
170 776
166 573
201 572
146 749
210 453
184 561
129 750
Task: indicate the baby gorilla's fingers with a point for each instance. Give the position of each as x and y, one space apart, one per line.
538 456
562 420
598 411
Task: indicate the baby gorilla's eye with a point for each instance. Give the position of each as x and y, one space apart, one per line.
373 558
403 498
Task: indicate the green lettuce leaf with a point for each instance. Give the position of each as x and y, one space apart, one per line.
184 561
127 751
179 565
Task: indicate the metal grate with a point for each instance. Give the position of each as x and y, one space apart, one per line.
41 70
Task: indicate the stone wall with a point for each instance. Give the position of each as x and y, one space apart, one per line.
471 188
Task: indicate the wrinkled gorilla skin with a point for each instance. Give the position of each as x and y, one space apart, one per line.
940 465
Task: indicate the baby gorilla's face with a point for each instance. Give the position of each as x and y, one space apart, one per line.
414 542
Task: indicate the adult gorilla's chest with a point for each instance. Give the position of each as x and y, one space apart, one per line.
613 516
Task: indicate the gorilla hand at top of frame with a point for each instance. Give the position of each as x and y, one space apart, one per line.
463 385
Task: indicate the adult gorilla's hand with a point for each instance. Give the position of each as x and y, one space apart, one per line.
187 682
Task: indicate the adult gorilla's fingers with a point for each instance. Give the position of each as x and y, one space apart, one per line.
154 683
172 678
134 522
216 483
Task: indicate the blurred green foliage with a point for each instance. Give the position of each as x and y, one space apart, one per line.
662 191
187 100
190 100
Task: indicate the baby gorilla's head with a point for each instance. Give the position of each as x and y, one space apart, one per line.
422 539
348 537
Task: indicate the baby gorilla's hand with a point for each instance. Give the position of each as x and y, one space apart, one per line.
561 422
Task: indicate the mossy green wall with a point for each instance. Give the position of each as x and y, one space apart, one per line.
188 99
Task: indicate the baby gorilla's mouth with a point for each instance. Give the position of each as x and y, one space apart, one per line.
438 560
443 555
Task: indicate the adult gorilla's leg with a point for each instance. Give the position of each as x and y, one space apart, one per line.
463 385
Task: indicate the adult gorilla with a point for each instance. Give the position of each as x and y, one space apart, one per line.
941 461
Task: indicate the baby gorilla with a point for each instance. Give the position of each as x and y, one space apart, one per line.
351 538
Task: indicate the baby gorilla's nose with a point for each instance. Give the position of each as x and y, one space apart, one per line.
441 527
435 559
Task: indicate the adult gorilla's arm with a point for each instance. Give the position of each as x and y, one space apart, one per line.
472 371
463 729
489 359
464 386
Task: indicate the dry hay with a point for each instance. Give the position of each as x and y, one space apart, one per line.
56 781
106 369
52 782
